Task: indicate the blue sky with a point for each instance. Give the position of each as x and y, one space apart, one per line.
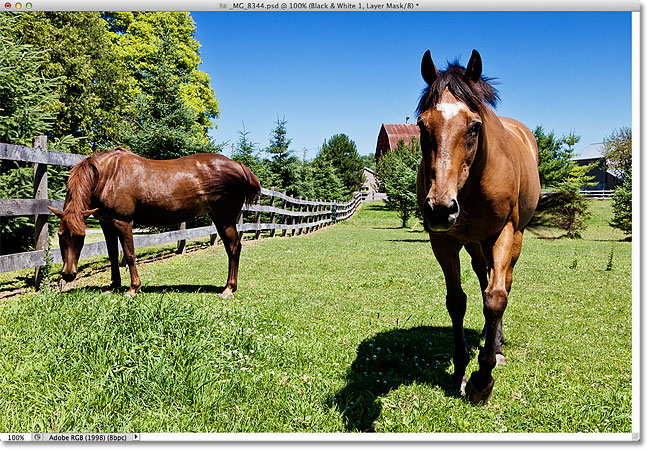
338 72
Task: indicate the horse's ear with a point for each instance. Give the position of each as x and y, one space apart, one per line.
88 212
474 67
56 212
429 71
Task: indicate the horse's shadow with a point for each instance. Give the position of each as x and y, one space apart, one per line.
163 289
393 358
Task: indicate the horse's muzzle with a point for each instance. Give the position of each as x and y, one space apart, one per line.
440 218
69 276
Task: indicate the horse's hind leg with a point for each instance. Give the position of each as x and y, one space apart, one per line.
446 250
231 241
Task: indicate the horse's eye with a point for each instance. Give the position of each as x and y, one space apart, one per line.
474 129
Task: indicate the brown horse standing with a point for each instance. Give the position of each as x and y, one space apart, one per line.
478 186
121 188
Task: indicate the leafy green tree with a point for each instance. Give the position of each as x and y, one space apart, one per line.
136 36
616 150
90 99
369 161
397 171
618 159
342 153
163 125
555 156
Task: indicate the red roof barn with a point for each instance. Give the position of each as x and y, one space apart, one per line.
391 133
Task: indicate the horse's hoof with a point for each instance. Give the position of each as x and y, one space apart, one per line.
227 294
500 359
479 397
130 294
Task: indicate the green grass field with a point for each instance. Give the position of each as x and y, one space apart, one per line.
341 330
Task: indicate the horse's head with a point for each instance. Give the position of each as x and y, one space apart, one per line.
450 130
71 235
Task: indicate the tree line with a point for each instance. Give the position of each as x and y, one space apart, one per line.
90 81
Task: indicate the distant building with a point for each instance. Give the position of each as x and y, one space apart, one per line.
604 180
370 186
391 133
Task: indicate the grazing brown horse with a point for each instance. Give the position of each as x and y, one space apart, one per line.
478 186
121 188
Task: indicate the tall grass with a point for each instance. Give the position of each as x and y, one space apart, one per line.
344 329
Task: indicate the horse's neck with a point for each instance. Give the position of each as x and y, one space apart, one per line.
493 137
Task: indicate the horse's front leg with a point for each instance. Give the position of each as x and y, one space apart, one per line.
495 300
446 249
112 243
125 231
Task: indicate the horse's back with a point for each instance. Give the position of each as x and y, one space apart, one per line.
166 191
523 133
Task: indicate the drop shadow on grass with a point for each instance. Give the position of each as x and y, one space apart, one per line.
394 358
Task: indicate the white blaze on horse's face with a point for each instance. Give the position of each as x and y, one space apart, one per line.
449 110
449 135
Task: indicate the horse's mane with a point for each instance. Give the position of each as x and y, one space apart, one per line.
80 186
473 94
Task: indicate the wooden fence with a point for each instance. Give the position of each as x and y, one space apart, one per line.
275 212
598 194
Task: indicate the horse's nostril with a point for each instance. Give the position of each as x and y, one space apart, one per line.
453 207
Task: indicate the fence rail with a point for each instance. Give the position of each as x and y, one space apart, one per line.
283 213
598 194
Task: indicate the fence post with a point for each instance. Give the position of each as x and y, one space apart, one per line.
181 244
41 232
239 222
272 216
213 238
258 219
285 219
300 219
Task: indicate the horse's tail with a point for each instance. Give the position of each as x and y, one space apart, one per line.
252 187
547 203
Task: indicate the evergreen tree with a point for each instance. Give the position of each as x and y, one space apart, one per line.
163 126
245 150
326 183
136 35
342 153
555 156
283 165
397 171
25 99
570 210
622 207
617 151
